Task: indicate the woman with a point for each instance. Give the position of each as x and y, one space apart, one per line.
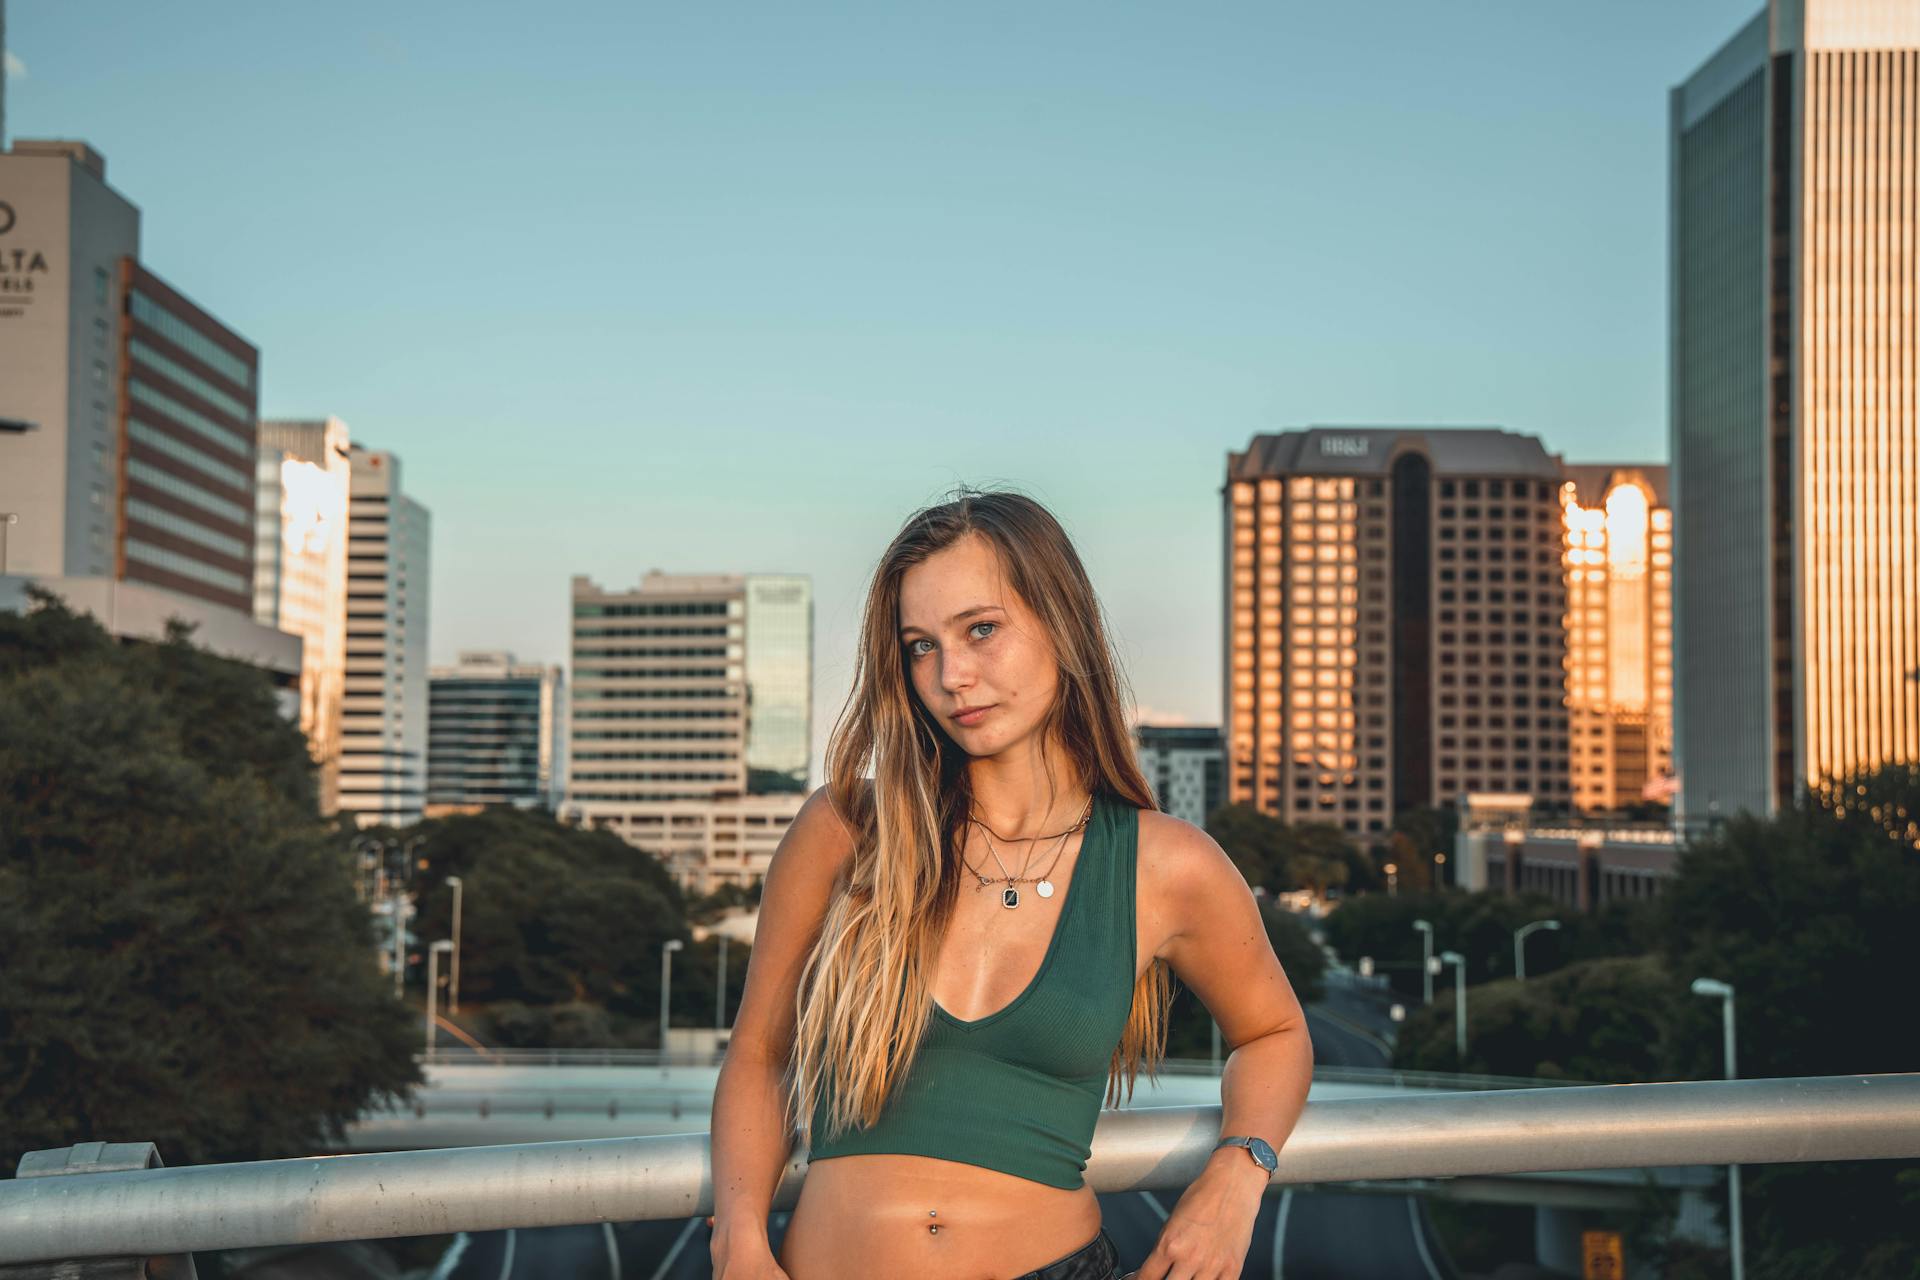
954 957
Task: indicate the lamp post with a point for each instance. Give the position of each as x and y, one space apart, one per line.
7 519
1711 987
667 949
453 986
399 938
433 987
1459 963
1393 879
400 905
720 993
1426 959
1519 950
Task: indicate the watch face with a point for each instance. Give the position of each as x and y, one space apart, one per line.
1263 1152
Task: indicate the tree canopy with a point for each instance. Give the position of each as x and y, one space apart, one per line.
186 960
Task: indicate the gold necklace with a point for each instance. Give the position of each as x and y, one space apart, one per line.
1010 896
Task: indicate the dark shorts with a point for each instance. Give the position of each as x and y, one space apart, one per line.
1097 1259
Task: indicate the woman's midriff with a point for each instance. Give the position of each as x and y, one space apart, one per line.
870 1215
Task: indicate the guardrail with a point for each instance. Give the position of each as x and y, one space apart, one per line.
1168 1066
140 1213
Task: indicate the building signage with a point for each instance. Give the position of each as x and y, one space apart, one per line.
22 267
1343 446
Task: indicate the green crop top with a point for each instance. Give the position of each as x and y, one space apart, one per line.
1019 1089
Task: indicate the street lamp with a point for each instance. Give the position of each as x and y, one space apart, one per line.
1459 963
453 987
7 520
433 987
1711 987
1393 879
667 949
720 994
1519 951
1426 958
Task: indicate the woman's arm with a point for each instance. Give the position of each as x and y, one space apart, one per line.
1216 943
752 1137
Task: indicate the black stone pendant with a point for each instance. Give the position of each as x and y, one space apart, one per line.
1009 897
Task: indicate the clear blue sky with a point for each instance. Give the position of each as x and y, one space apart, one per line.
735 288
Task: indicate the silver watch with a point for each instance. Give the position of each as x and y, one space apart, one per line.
1258 1148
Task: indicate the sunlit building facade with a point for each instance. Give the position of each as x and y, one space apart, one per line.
1394 622
300 571
1619 538
690 716
1795 449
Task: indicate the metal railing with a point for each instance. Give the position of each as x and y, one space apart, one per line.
159 1211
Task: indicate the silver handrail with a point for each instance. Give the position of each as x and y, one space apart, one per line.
309 1200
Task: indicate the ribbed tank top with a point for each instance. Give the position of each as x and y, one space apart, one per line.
1019 1090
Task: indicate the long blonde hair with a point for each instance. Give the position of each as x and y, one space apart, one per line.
865 993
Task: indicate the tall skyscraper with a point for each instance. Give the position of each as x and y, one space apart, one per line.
1795 449
1619 634
495 732
300 571
383 743
690 729
126 421
1394 622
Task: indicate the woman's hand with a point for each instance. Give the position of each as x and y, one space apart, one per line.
1207 1235
744 1255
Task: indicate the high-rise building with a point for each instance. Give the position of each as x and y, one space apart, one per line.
494 734
1394 622
690 727
1184 765
383 722
1619 634
300 571
1795 444
779 681
126 421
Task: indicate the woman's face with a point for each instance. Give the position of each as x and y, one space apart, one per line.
971 645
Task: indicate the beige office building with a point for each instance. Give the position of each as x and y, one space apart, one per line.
690 718
126 422
1795 157
1394 630
1619 532
300 571
383 716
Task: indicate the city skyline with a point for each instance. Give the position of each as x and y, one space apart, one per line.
708 285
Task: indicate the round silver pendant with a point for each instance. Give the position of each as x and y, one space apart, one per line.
1044 888
1009 897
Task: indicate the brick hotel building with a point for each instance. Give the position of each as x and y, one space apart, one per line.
1394 637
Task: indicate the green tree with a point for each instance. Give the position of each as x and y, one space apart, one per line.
1190 1028
1255 841
186 959
1605 1021
1810 917
553 914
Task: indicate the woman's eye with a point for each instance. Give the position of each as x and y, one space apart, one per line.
982 624
913 652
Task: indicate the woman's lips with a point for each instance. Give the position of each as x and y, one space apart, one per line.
973 717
